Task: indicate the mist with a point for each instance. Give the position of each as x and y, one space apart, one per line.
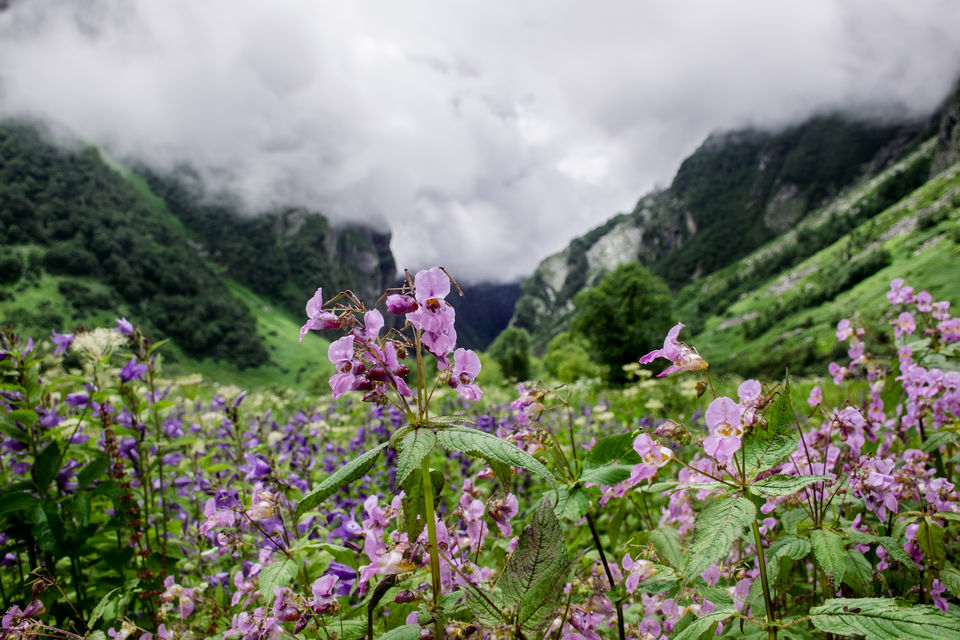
483 139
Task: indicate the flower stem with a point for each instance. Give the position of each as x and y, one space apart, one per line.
606 567
771 628
432 540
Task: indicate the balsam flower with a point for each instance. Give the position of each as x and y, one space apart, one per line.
317 318
653 455
466 367
723 418
684 358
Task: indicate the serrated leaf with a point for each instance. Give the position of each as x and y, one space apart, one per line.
951 580
571 504
784 485
492 449
763 448
277 574
485 604
412 449
662 579
616 448
666 541
610 474
97 635
696 628
536 572
859 573
344 630
353 470
98 610
716 529
884 619
786 547
829 550
890 545
406 632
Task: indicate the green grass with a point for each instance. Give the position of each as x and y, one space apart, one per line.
927 258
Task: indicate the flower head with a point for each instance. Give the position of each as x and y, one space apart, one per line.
684 358
317 318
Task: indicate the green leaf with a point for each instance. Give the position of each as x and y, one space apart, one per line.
666 541
47 528
26 417
94 469
717 527
618 448
345 630
610 474
492 449
951 580
413 501
536 572
764 448
339 554
859 573
45 467
696 628
571 504
891 546
277 574
786 547
98 610
784 485
353 470
13 502
413 448
829 550
663 578
97 635
884 619
406 632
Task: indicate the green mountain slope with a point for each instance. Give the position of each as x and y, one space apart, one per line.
83 241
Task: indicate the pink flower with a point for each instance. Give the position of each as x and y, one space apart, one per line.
399 305
844 330
653 455
815 397
466 367
341 354
899 294
684 358
838 373
434 315
317 318
723 419
904 324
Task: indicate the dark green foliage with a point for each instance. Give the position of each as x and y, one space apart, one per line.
91 221
568 358
624 316
483 312
11 268
84 296
284 255
511 350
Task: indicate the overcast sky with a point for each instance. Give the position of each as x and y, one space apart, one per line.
486 135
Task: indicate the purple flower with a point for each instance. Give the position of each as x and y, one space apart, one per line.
62 340
78 399
124 327
684 358
723 419
340 353
27 349
434 316
399 305
466 367
317 318
132 371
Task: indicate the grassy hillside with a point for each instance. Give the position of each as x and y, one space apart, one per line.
788 317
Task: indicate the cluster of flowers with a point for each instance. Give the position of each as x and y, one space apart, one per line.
366 362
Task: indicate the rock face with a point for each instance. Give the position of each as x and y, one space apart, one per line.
948 137
736 192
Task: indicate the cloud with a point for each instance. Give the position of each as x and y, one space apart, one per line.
485 138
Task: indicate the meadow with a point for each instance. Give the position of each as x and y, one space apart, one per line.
414 501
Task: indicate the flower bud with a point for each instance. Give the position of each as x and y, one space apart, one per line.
405 596
399 305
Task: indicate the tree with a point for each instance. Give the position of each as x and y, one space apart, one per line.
511 350
624 316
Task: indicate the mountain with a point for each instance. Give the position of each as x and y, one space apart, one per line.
737 192
85 240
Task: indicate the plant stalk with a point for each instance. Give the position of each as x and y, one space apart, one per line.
768 602
432 540
621 631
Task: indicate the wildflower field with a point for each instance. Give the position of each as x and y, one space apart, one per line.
414 502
